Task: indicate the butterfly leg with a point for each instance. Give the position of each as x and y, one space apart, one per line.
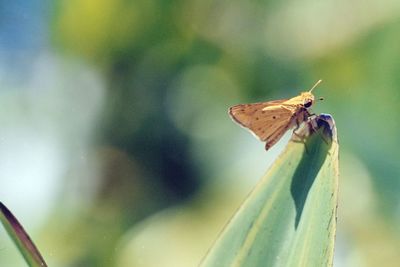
300 134
300 138
313 124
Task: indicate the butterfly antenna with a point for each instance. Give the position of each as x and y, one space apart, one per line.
315 85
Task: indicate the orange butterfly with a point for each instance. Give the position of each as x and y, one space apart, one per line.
270 120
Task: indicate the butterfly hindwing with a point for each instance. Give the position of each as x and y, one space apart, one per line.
268 121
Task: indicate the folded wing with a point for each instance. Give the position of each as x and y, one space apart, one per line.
267 121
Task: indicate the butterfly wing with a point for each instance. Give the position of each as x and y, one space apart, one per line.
268 121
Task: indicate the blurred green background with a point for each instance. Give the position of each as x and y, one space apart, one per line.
115 144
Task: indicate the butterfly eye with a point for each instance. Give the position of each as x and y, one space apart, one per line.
308 104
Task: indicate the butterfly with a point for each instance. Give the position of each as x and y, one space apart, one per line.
270 120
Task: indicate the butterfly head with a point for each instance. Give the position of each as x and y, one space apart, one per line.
308 99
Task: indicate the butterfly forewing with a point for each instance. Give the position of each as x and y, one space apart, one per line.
268 121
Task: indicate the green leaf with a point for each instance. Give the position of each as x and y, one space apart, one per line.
289 219
21 238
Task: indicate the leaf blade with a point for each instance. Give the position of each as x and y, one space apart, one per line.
298 193
21 239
